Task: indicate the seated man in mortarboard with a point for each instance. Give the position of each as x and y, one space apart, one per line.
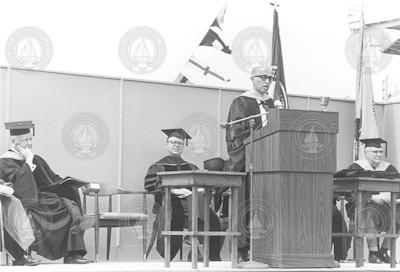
176 139
56 215
377 218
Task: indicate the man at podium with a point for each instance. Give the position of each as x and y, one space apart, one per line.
253 102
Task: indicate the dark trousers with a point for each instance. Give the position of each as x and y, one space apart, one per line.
341 244
12 246
76 244
178 224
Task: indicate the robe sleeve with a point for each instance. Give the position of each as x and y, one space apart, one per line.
44 175
236 134
391 169
152 180
355 166
22 178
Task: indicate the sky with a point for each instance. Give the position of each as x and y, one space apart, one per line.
99 38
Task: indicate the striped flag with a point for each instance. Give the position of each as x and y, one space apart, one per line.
200 68
277 60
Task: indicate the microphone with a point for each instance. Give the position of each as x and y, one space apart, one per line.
278 104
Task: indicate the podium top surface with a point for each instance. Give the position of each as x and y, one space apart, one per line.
300 121
393 180
201 178
367 184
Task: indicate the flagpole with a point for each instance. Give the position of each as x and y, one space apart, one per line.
359 89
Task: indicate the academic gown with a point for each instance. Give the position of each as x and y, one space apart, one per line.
152 180
380 219
52 215
383 208
243 106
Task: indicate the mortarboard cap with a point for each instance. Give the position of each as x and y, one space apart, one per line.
374 142
20 128
267 70
178 133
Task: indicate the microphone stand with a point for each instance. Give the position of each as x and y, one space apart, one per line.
251 264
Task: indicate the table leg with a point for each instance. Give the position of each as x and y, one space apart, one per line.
393 231
233 214
206 226
167 226
194 227
358 241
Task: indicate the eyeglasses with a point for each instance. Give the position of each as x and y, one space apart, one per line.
175 142
376 151
265 77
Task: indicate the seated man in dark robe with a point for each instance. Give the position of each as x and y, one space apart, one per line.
377 217
18 232
55 215
181 198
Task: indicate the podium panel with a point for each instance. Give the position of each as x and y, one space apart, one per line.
291 195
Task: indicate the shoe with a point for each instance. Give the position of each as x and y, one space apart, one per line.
215 258
199 256
77 259
243 255
373 257
382 254
26 260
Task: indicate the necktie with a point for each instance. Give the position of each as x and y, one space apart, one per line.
264 104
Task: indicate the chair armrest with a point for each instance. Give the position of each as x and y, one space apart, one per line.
91 189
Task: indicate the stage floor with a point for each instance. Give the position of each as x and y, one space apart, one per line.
177 266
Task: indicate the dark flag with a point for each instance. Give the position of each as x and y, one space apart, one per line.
212 38
277 60
204 66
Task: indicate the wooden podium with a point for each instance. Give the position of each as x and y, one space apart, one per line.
294 160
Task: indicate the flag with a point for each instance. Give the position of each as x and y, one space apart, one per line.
197 71
365 110
368 123
277 60
205 66
212 37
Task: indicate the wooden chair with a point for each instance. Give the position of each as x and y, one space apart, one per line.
110 219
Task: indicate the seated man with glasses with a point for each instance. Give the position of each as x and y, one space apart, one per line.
377 217
181 197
